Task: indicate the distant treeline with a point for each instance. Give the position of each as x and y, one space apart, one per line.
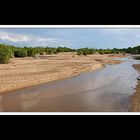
131 50
7 51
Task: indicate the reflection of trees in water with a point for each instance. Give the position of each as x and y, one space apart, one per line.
1 109
137 57
17 102
29 105
104 90
8 102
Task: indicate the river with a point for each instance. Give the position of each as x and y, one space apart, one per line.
105 90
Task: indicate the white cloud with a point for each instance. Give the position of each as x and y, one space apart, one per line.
14 37
31 40
116 31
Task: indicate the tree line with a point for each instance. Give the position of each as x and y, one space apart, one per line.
130 50
7 51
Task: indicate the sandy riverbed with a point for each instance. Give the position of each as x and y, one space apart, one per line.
24 72
135 98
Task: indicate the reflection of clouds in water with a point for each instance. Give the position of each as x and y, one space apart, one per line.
94 81
0 99
30 104
99 90
120 78
29 94
1 108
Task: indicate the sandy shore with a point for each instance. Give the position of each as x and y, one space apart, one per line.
24 72
135 98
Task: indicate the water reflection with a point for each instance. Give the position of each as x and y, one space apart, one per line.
104 90
29 105
137 57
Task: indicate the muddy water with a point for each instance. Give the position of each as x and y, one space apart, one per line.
105 90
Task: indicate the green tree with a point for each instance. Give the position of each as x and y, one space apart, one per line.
20 53
101 51
85 51
5 54
31 52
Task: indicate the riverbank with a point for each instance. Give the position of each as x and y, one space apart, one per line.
24 72
135 98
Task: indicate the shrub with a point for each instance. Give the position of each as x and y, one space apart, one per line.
79 53
31 52
41 53
85 51
20 53
63 49
5 54
101 52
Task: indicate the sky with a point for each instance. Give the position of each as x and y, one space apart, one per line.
73 38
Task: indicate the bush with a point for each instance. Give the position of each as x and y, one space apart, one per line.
79 53
31 52
41 53
49 51
5 54
20 53
63 49
101 52
85 51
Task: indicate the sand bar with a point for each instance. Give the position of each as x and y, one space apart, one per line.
24 72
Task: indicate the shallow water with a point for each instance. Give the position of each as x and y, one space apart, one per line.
104 90
137 57
124 59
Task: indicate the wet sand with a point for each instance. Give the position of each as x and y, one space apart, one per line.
25 72
135 98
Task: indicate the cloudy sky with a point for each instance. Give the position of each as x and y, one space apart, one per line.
73 38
